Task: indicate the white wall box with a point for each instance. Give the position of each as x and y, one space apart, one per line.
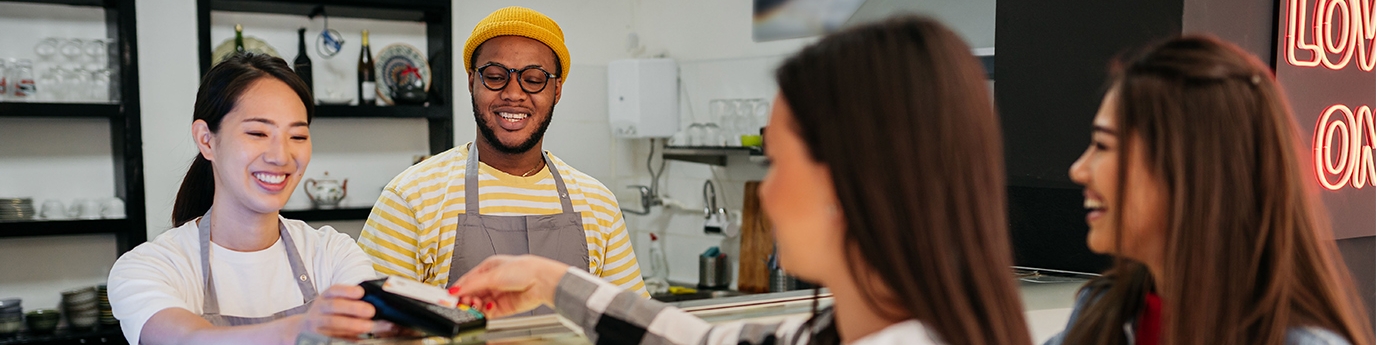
643 98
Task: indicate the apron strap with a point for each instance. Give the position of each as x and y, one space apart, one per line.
472 183
211 304
560 186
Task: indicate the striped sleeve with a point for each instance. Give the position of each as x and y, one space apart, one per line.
620 263
390 237
609 314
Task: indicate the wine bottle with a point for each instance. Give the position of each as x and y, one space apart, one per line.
366 72
239 38
302 64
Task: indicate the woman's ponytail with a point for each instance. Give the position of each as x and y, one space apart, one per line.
197 191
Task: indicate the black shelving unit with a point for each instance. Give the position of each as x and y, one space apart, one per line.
126 140
438 111
75 110
328 214
100 335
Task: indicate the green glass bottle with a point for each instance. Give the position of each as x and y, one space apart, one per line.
239 38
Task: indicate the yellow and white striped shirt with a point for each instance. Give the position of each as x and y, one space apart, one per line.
411 231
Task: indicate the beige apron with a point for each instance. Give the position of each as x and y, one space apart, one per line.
210 307
557 236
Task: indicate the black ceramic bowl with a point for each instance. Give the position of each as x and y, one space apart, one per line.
42 321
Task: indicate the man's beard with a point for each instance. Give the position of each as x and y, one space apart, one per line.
523 147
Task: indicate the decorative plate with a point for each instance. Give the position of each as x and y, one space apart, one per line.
251 44
400 64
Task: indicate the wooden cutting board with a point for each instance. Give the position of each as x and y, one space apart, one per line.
757 243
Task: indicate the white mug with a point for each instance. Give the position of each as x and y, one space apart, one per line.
74 210
53 209
114 208
91 209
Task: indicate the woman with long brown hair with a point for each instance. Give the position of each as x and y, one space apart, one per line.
886 186
1194 181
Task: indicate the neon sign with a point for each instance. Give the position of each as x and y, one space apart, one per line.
1339 31
1354 160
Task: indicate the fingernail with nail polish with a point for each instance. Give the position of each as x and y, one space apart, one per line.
455 290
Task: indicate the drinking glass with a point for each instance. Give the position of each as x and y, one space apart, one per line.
728 124
696 134
71 48
96 54
46 85
99 86
46 48
761 112
713 135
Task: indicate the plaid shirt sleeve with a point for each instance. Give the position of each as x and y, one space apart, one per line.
611 315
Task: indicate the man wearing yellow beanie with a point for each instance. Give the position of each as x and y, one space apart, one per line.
502 194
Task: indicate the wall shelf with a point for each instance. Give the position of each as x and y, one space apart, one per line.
712 155
87 110
401 10
398 111
87 3
32 228
101 335
348 213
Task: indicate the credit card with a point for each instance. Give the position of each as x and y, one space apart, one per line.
420 291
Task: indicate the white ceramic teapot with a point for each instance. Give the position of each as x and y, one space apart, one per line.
326 192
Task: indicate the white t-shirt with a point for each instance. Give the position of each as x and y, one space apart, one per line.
904 332
166 273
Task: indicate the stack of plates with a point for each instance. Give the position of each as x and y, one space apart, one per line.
11 315
80 307
103 304
16 208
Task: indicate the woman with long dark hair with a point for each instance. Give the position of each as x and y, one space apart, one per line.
1194 181
234 270
886 186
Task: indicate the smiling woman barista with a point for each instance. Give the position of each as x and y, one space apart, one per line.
234 271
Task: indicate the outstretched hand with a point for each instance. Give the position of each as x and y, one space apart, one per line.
503 285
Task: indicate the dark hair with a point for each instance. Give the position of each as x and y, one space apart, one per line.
1247 252
900 113
220 89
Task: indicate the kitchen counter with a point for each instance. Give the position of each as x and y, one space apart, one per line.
1047 302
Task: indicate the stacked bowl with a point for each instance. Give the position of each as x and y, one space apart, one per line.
16 209
81 307
103 303
42 321
11 315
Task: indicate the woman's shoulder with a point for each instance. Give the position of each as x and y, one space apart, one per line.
182 238
1309 335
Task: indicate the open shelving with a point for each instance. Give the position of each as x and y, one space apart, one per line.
126 140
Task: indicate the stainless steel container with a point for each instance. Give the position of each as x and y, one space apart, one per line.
713 272
781 282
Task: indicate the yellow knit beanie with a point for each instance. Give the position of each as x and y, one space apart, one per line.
519 21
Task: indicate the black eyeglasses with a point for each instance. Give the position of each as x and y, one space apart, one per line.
532 79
